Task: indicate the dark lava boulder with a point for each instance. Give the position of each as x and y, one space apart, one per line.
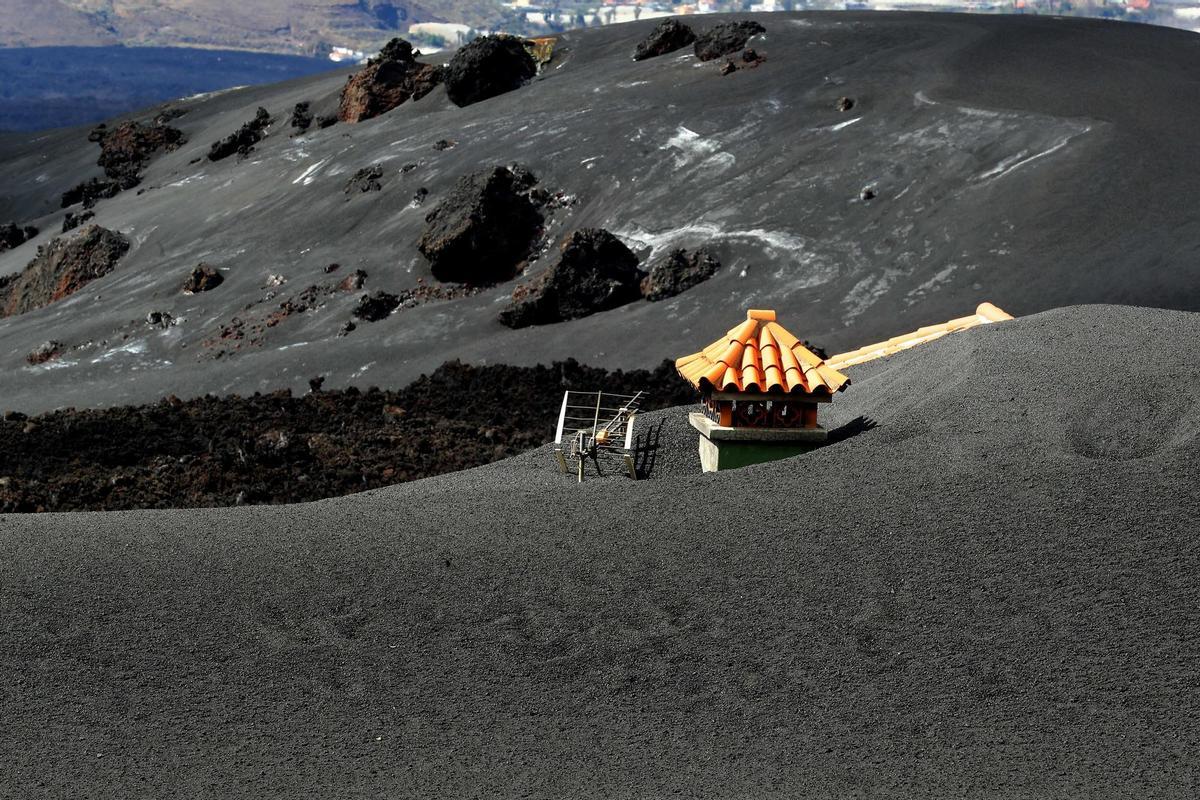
13 235
596 272
678 271
72 220
488 66
391 78
726 38
483 230
124 153
62 268
366 179
202 279
126 149
374 307
91 192
302 117
47 351
669 36
243 140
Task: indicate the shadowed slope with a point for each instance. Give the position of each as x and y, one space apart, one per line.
992 592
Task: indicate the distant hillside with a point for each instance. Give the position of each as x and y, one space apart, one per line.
53 87
279 26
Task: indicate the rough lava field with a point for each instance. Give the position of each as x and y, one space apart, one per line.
1032 162
984 586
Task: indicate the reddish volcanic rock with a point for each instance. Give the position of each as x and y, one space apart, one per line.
390 79
62 268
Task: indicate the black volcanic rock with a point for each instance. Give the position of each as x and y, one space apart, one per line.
678 271
91 192
377 306
365 180
387 81
596 272
126 149
62 268
203 278
243 140
73 220
302 117
670 35
124 153
483 229
13 235
729 37
488 66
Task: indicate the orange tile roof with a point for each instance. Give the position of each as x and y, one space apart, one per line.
760 356
985 314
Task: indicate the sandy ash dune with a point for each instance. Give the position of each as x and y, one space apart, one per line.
1032 162
990 593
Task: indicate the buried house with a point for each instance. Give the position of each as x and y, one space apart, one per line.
761 388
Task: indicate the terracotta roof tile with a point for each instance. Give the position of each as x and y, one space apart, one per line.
985 314
759 355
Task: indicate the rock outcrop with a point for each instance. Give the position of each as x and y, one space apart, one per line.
62 268
678 271
126 149
670 35
595 272
726 38
483 229
13 235
124 153
487 67
243 140
388 80
203 278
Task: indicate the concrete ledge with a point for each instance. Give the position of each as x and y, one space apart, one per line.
718 433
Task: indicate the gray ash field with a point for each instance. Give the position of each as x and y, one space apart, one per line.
984 586
1032 162
992 593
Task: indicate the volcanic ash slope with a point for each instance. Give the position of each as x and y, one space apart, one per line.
992 592
1031 162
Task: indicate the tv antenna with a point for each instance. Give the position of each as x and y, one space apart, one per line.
596 425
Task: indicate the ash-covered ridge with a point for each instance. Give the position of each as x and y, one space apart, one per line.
865 174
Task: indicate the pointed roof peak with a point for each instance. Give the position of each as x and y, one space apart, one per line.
760 355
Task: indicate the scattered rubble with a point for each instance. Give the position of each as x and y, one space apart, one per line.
388 80
280 448
483 229
47 351
62 268
202 279
670 35
487 67
726 38
366 180
243 141
13 235
678 271
73 220
595 272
